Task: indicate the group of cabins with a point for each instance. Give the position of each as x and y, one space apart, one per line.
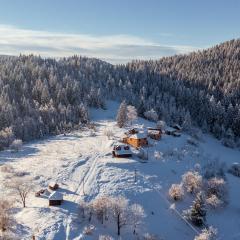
55 198
138 139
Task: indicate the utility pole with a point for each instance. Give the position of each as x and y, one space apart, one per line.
83 182
135 175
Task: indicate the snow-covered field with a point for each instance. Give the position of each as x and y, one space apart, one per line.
83 155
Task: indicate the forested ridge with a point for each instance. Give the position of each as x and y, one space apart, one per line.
47 96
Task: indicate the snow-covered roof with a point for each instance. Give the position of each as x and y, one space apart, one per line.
153 131
55 196
170 129
138 135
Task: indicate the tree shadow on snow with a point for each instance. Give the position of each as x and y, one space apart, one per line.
26 151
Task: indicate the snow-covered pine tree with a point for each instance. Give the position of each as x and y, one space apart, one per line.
197 213
131 113
122 114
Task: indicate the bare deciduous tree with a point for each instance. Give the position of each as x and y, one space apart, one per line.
119 206
22 187
5 215
105 237
136 216
100 208
16 145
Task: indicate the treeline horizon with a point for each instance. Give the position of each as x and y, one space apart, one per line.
42 96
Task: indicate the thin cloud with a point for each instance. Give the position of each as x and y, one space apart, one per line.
116 48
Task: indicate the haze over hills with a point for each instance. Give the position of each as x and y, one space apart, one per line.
48 96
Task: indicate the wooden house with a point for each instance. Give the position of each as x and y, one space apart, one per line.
154 133
55 199
172 131
121 151
136 140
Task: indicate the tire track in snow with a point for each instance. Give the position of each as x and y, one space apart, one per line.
77 196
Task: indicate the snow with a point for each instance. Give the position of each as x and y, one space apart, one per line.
84 159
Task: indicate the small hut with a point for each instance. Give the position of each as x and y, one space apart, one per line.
136 140
172 131
121 151
53 186
55 199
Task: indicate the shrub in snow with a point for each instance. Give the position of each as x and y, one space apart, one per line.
213 201
21 174
105 237
148 236
228 139
207 234
197 167
187 122
16 145
214 169
192 141
7 168
92 133
92 126
142 154
218 187
6 137
158 155
192 181
108 133
197 212
151 115
161 125
88 230
5 215
196 134
176 192
235 169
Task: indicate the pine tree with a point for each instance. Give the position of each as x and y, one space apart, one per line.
122 114
197 213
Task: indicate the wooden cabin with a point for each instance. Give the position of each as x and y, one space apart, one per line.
55 199
121 151
154 133
136 140
172 131
40 192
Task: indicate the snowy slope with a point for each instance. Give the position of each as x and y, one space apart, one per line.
83 156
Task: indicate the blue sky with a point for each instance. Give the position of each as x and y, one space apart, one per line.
116 31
